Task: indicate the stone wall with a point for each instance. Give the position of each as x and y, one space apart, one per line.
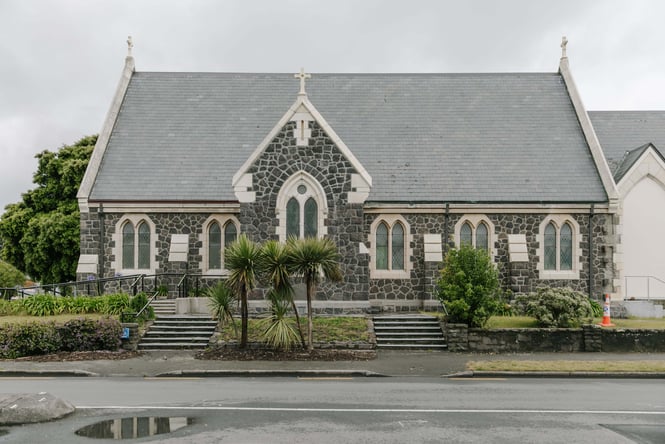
589 338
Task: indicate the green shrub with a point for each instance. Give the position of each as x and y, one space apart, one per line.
137 303
556 307
8 308
42 305
115 304
30 339
278 330
221 300
85 334
596 308
469 286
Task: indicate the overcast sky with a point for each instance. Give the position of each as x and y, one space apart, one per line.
60 61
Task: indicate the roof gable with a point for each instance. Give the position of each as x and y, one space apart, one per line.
633 157
302 108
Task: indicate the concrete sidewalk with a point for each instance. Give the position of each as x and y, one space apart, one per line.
388 363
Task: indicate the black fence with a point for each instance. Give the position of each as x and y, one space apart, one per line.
170 285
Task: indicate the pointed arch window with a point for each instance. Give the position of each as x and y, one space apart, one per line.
301 208
128 246
390 252
482 242
475 231
559 241
134 250
220 232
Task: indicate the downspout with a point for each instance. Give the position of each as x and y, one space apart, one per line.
591 252
445 229
101 242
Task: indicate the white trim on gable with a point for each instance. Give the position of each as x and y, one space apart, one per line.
301 110
649 164
104 135
589 134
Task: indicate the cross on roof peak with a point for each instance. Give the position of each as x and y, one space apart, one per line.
302 76
130 45
564 42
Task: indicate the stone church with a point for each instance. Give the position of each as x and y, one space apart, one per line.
394 168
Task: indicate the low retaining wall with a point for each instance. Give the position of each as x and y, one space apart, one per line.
589 338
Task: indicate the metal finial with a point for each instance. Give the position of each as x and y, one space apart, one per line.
564 42
130 45
302 76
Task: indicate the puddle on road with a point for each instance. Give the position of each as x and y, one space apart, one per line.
3 432
134 427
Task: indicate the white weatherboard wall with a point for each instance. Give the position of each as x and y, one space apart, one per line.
643 240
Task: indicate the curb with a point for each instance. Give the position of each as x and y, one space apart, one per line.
47 373
270 373
607 375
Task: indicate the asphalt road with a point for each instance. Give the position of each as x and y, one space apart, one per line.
385 410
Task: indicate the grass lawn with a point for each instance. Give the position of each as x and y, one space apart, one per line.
567 366
529 322
326 329
58 319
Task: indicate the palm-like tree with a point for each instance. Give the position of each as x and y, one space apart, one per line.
276 267
242 260
313 259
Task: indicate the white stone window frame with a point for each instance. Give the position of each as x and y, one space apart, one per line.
204 238
474 220
290 189
390 220
135 220
558 220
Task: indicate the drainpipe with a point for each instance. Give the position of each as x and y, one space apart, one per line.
591 252
101 241
445 229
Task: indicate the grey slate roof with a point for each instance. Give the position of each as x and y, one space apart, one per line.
629 159
422 137
623 131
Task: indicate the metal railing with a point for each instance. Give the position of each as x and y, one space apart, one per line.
644 287
162 284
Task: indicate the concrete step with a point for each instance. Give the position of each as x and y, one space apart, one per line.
408 334
174 332
172 345
412 346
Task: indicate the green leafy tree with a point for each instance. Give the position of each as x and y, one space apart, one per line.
276 267
314 259
10 276
469 286
40 235
242 260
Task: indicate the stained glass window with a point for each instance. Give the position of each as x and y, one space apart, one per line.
398 247
310 218
566 247
382 247
465 234
292 218
214 247
128 246
550 247
481 237
144 246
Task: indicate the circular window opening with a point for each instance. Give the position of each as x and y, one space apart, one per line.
302 189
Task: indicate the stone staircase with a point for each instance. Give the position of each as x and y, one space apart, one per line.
408 332
163 307
175 332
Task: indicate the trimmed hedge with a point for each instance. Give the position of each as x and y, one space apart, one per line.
39 338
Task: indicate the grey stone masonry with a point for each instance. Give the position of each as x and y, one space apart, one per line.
324 162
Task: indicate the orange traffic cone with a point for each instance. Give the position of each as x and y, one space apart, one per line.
606 313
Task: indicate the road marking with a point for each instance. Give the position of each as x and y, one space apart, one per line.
325 378
361 410
477 379
170 378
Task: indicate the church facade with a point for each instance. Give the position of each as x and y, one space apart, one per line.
395 168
